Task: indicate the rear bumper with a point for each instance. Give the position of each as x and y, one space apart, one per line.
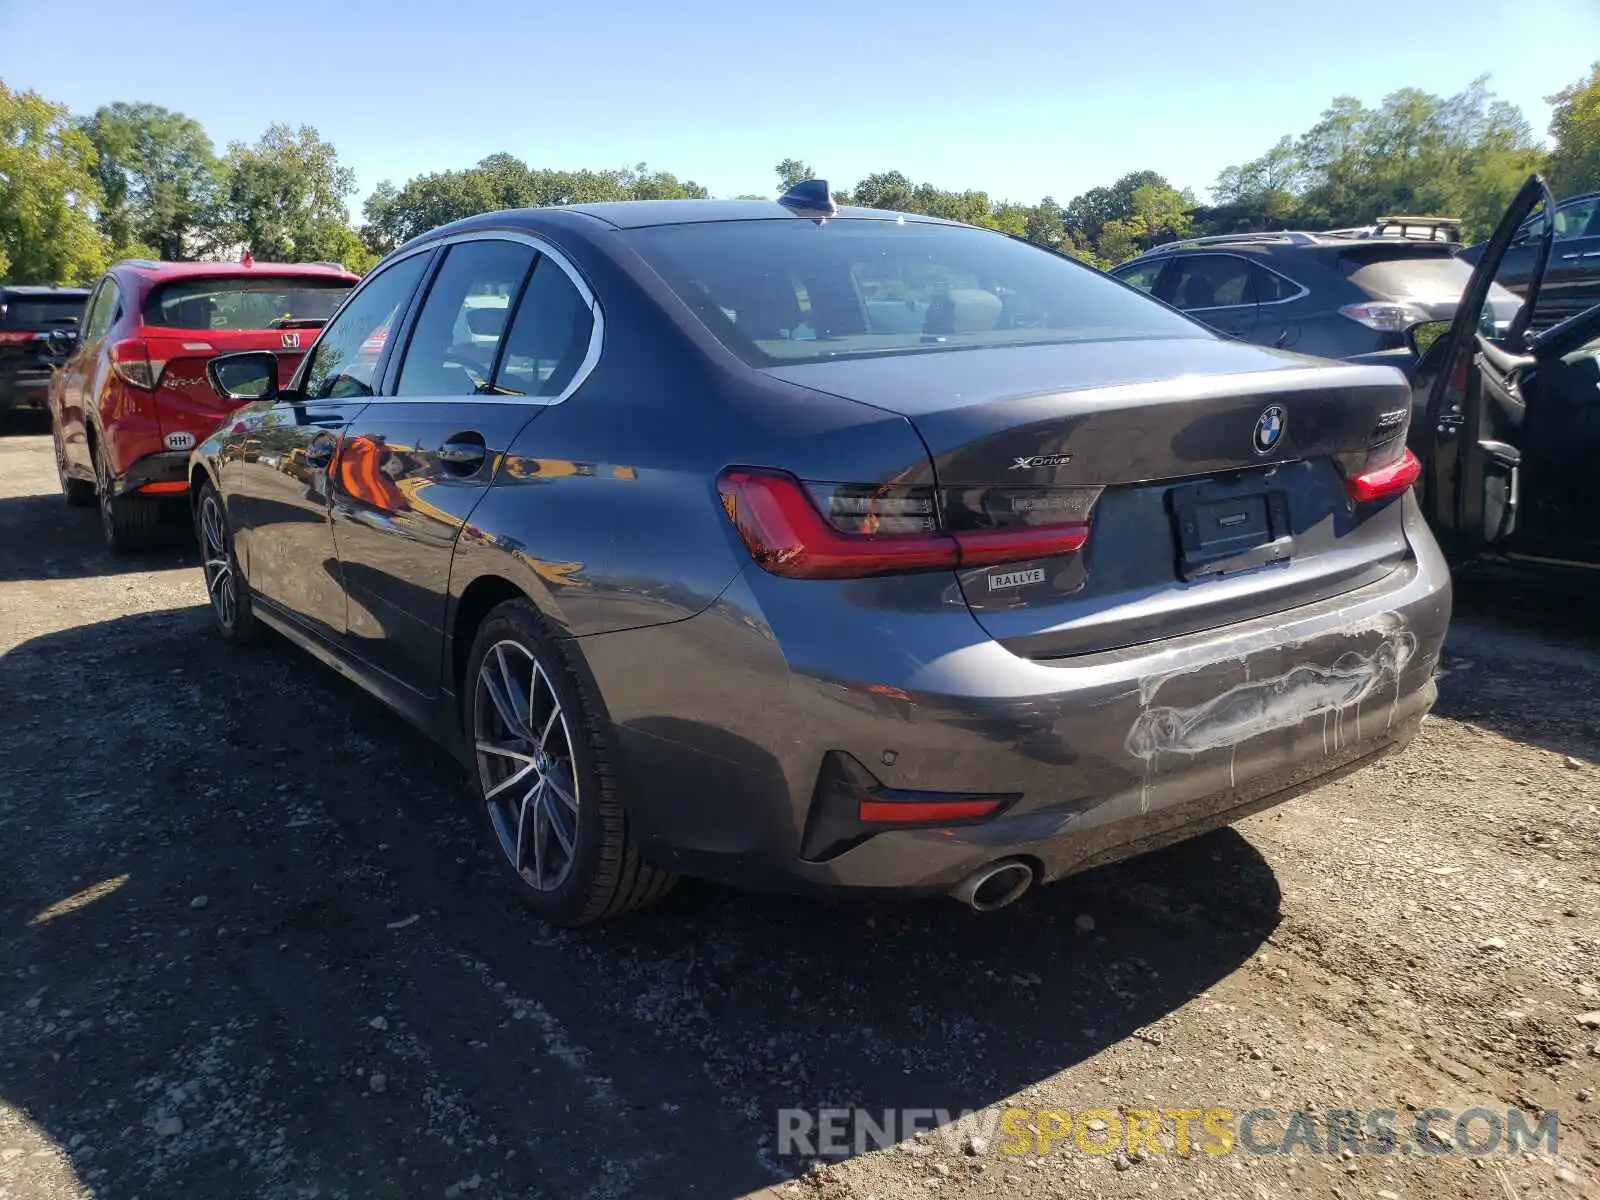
24 389
165 470
725 729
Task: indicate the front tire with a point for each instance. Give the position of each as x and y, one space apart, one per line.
231 612
79 492
546 776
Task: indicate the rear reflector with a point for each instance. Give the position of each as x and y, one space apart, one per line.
130 359
1383 481
164 487
923 812
849 531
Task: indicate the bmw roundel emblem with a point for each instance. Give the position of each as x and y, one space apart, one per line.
1270 428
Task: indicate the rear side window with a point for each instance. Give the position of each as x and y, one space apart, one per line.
244 302
40 312
457 337
101 312
1272 287
550 335
1212 281
792 290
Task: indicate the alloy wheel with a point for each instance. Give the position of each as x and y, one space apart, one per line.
221 582
525 765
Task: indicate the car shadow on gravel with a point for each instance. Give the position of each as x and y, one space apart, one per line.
1521 650
251 944
41 538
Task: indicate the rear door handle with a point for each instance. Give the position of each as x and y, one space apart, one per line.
463 453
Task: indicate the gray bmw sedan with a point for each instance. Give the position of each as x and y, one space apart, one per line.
824 548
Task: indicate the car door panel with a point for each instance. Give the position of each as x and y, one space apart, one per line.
1560 516
404 487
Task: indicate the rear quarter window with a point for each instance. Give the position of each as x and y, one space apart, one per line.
792 290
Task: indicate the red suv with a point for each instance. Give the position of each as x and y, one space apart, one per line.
131 398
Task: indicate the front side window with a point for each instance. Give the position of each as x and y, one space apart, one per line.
1142 275
458 333
1581 220
549 337
244 302
792 290
345 358
102 307
1212 281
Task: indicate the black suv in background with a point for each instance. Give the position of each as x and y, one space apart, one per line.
1337 295
27 317
1572 278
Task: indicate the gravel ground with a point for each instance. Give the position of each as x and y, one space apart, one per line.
250 946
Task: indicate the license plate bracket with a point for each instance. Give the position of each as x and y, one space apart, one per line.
1229 525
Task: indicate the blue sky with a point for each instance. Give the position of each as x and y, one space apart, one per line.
1050 100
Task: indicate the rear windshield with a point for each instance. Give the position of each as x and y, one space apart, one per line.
794 290
40 312
254 302
1427 277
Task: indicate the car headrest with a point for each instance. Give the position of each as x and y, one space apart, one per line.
963 310
486 322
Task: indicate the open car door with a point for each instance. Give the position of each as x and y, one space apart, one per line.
1473 457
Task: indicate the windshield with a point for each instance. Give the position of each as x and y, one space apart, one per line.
793 290
254 302
41 312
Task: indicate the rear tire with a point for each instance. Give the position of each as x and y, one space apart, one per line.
129 524
231 612
548 783
79 492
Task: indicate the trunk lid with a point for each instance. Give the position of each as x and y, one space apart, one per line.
1212 474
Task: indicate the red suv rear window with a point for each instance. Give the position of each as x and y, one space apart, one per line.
244 302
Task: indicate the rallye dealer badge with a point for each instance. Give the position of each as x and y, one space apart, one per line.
180 441
1011 579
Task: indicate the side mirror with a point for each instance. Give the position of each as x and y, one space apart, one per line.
248 375
60 343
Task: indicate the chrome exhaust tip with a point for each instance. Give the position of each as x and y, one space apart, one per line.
995 886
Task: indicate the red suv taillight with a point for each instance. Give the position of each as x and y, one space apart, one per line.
130 359
848 531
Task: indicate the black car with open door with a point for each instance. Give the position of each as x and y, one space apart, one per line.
1510 440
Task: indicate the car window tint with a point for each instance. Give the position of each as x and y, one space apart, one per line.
1270 286
346 355
1142 276
1212 281
1578 220
549 337
457 336
98 318
785 290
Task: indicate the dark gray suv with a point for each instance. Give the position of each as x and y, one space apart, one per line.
822 548
1338 295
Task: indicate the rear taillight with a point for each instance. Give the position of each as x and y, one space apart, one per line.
130 359
1385 316
1376 483
848 531
11 336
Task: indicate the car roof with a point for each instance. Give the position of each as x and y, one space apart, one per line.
151 271
33 289
640 214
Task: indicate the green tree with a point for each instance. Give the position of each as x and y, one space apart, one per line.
792 171
1159 213
47 194
1575 126
284 197
158 176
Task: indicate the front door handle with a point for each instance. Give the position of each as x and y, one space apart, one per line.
319 451
463 453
